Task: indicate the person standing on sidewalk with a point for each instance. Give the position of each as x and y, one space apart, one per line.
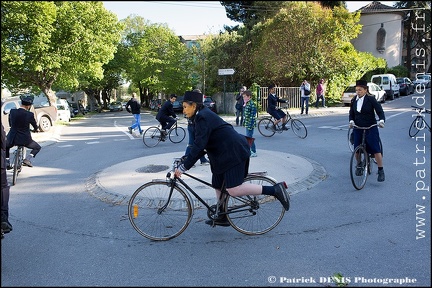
239 107
250 112
229 155
320 94
305 96
134 107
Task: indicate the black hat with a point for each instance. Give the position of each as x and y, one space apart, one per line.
193 96
271 86
27 101
362 83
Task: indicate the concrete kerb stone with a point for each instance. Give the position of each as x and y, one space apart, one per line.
117 183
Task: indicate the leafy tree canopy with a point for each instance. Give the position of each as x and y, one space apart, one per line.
43 42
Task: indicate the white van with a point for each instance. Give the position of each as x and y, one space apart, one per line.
388 83
63 110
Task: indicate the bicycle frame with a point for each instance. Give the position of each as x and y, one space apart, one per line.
214 209
362 165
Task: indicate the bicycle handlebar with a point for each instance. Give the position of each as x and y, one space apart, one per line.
358 127
421 109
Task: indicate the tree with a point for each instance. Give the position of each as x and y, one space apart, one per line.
47 42
417 26
154 60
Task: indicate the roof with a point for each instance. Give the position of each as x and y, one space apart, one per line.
378 7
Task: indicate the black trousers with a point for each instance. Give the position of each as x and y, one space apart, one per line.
33 145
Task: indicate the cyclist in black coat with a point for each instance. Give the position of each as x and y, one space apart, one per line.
228 152
273 109
362 112
6 227
166 115
19 133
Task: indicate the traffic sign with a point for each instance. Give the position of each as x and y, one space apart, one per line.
228 71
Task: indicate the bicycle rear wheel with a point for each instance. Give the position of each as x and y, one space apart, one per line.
359 165
298 128
266 127
152 136
152 216
416 126
177 135
254 214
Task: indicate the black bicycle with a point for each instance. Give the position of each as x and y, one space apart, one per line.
419 123
360 164
267 128
162 209
153 135
17 162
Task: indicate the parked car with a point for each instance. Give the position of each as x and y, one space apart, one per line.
178 104
45 114
115 106
210 103
78 108
423 79
155 104
406 86
374 89
63 110
388 83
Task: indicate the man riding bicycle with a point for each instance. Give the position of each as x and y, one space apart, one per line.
166 115
272 108
19 133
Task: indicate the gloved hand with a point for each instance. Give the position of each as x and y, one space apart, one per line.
351 124
381 123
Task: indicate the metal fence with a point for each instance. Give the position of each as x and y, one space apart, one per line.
292 94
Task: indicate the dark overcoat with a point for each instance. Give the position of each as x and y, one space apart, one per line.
225 147
20 121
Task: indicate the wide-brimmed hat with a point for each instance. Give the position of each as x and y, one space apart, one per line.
193 96
362 83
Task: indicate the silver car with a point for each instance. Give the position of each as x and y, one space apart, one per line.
374 89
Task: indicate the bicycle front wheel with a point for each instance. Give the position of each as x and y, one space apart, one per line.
155 214
152 136
298 128
266 127
177 135
416 126
254 214
359 166
17 165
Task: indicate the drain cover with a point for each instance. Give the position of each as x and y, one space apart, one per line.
152 168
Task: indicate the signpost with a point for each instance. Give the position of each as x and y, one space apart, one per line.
228 71
224 72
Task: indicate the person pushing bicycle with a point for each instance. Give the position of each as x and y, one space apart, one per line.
166 115
19 133
362 112
273 109
228 152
